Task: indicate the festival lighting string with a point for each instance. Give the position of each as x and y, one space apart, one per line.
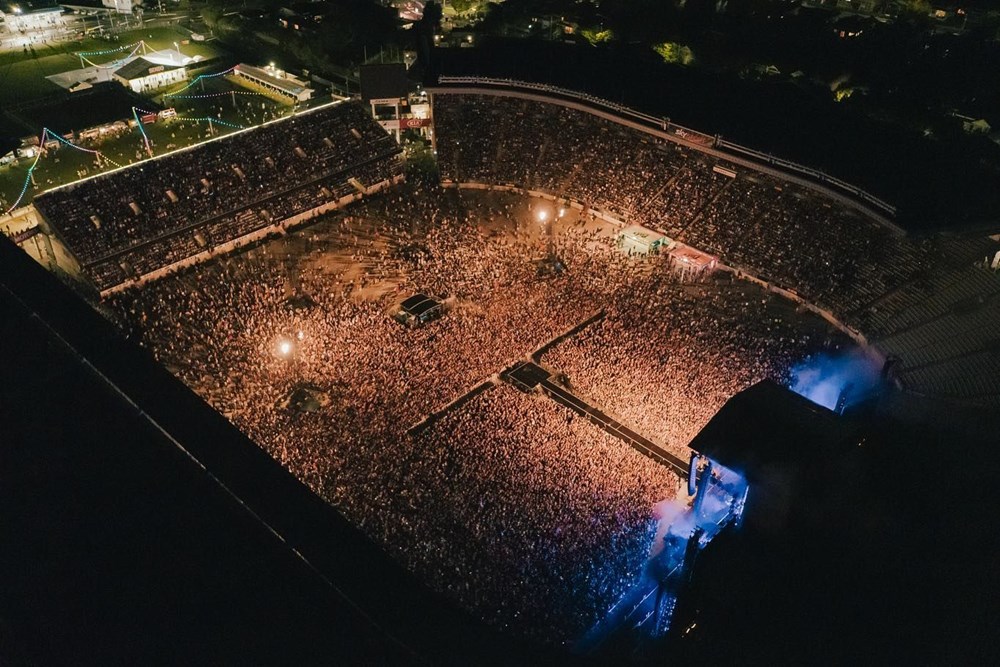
142 131
46 132
203 95
79 148
27 178
197 119
109 51
113 63
198 78
214 120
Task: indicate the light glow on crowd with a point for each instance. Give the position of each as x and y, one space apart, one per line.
548 518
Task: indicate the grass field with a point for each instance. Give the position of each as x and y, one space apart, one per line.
22 73
67 164
22 79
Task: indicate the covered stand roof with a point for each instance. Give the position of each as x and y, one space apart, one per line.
287 84
140 67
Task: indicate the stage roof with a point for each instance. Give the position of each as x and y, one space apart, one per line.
140 67
873 554
768 424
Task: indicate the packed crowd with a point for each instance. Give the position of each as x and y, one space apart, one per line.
528 516
666 357
755 221
136 220
555 513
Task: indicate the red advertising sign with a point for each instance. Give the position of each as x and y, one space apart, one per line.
406 123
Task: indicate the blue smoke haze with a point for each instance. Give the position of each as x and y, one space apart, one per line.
821 377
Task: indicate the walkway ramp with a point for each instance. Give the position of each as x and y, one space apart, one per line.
527 376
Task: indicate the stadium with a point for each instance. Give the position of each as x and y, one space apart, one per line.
528 405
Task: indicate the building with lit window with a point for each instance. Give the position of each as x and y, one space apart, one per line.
121 6
141 75
19 19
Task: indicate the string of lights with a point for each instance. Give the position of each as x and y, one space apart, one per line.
109 51
231 92
214 120
114 63
47 133
198 78
192 118
79 148
27 177
145 137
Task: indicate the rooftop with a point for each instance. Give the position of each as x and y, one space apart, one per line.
140 67
418 304
768 425
286 83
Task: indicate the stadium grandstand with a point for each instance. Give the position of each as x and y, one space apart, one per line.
651 338
138 222
930 302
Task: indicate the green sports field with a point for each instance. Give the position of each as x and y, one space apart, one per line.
22 80
228 112
23 72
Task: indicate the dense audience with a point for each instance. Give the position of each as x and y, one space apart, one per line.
912 295
786 234
533 518
664 359
134 221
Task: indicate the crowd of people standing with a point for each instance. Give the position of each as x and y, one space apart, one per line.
532 518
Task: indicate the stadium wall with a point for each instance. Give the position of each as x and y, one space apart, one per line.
840 191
